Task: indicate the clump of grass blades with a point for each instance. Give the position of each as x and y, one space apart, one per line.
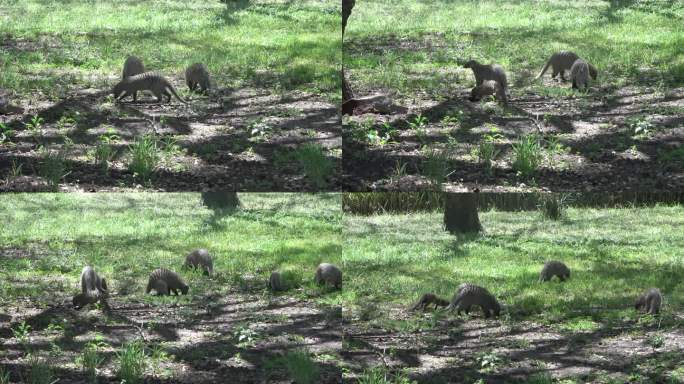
39 371
436 166
53 166
89 360
301 367
527 154
4 376
381 376
316 166
369 203
144 156
105 151
553 206
132 362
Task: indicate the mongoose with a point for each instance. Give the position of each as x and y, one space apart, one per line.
200 258
469 295
164 282
554 268
427 299
82 299
90 281
275 282
649 302
197 75
579 73
328 274
484 72
487 88
133 66
149 81
562 61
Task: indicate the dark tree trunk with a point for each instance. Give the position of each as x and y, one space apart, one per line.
221 200
460 213
347 93
347 6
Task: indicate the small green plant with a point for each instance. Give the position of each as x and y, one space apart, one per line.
53 166
105 150
667 156
527 155
158 355
436 166
15 170
487 150
89 360
641 126
382 376
540 378
553 206
244 336
39 371
456 118
301 367
656 340
6 133
418 125
315 164
132 362
144 157
489 361
21 333
65 121
259 130
398 172
35 126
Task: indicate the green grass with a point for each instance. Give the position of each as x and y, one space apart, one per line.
614 255
132 362
125 236
274 43
410 45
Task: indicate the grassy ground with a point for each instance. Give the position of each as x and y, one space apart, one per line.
630 119
273 65
583 330
228 324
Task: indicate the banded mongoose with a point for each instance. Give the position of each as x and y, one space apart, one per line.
427 299
275 282
133 66
579 73
328 274
562 61
484 72
200 258
649 302
148 81
164 282
487 88
197 75
554 268
468 295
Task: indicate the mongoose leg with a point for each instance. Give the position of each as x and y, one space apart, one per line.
486 313
135 96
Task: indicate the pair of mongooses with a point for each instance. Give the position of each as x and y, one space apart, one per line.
326 273
467 295
93 289
648 302
135 79
580 70
495 78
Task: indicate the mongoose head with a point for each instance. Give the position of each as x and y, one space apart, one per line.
470 64
118 90
640 302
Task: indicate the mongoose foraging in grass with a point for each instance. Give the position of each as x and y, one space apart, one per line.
148 81
469 295
649 302
579 73
560 62
133 66
328 274
427 299
487 88
82 299
164 282
197 75
200 258
91 281
275 282
484 72
554 268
